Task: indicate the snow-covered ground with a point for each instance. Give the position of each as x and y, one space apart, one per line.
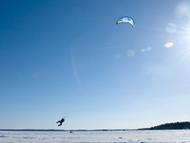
167 136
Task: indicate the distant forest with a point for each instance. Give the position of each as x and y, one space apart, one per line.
176 125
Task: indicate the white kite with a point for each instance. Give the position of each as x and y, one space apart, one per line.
126 19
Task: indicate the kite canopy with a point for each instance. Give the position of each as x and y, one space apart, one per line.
126 19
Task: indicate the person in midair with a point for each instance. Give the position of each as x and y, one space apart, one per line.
61 121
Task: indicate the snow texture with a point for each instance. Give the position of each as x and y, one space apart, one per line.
158 136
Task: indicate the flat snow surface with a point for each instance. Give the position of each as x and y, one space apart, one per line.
167 136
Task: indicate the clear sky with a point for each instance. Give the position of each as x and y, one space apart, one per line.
70 59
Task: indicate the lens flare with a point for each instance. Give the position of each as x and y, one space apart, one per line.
171 28
168 45
131 53
142 50
183 9
149 48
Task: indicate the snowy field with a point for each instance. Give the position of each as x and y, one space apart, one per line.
167 136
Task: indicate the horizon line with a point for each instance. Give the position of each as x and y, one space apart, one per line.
66 129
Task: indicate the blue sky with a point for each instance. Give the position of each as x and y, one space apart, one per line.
70 59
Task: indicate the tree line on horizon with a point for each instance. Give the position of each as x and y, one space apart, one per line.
175 125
